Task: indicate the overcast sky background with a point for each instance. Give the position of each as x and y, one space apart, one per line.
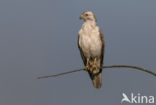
39 37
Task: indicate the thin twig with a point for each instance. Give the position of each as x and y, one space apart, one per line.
55 75
132 67
112 66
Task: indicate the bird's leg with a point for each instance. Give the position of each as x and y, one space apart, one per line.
87 65
94 64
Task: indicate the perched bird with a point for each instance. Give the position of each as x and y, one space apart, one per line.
91 46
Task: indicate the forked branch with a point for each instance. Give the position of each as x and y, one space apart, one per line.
112 66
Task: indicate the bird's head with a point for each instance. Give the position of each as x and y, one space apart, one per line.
88 16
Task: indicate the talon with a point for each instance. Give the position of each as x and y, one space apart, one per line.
87 68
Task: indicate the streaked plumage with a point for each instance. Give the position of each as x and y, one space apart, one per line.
91 46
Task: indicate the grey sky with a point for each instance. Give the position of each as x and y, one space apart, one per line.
39 37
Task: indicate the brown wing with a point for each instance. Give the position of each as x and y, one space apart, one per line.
103 47
81 53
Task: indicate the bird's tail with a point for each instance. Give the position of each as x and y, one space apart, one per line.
97 80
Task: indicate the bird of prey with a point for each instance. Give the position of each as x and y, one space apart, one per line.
91 46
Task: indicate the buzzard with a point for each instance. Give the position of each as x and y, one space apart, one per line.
91 46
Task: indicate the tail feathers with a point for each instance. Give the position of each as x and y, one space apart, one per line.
97 81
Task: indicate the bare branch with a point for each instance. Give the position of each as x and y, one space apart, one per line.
112 66
55 75
132 67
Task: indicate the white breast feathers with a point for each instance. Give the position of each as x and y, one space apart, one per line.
89 40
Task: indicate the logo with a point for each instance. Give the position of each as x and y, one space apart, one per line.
137 98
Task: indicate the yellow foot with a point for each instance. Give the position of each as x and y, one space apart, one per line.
87 65
86 68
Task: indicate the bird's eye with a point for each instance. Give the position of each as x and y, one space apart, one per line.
86 14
